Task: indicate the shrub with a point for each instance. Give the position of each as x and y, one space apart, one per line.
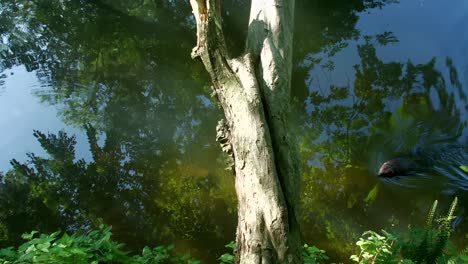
94 247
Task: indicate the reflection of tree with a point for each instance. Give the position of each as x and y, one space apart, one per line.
324 27
370 105
157 178
123 66
75 195
390 106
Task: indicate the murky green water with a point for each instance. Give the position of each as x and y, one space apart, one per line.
373 80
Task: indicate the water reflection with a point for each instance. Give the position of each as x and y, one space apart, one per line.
380 109
156 173
121 73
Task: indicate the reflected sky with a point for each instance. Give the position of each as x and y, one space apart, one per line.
22 112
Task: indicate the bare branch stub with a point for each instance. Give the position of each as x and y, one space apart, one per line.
211 45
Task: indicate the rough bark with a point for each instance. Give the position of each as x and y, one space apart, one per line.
254 92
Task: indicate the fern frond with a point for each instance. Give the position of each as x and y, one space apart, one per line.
464 251
430 215
452 209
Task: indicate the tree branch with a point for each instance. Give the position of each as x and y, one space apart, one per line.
211 45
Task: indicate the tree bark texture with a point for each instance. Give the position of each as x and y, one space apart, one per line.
254 92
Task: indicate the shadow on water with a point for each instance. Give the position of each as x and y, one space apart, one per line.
121 72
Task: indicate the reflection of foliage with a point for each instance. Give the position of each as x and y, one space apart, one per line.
106 63
76 195
386 38
324 27
124 67
346 114
389 105
184 200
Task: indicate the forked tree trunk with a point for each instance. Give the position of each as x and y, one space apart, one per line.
254 92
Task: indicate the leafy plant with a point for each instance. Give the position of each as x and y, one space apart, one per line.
313 255
94 247
430 244
418 245
375 248
228 258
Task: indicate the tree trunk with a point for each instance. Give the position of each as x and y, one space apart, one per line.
254 92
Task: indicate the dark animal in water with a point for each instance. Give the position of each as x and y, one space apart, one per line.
420 160
444 165
397 167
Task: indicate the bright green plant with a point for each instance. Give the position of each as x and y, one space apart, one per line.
430 244
228 258
94 247
375 248
313 255
418 245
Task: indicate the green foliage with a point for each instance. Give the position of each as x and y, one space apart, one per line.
418 245
228 258
310 255
161 254
313 255
375 248
94 247
430 244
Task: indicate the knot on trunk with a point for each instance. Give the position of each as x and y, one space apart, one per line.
222 136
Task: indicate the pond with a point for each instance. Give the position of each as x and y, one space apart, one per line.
105 119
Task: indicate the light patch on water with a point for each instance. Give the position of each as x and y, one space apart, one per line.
21 113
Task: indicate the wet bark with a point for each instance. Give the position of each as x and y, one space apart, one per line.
254 92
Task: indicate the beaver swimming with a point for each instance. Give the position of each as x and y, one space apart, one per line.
444 163
397 167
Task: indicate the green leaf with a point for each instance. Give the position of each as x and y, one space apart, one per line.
372 195
464 168
44 246
77 251
227 258
30 235
231 245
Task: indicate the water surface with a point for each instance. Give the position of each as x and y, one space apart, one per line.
373 80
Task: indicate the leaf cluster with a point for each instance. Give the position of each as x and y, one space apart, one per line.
94 247
428 245
313 255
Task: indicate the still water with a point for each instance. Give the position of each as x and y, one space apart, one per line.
106 119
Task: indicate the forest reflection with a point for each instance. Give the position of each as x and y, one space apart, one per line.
122 73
